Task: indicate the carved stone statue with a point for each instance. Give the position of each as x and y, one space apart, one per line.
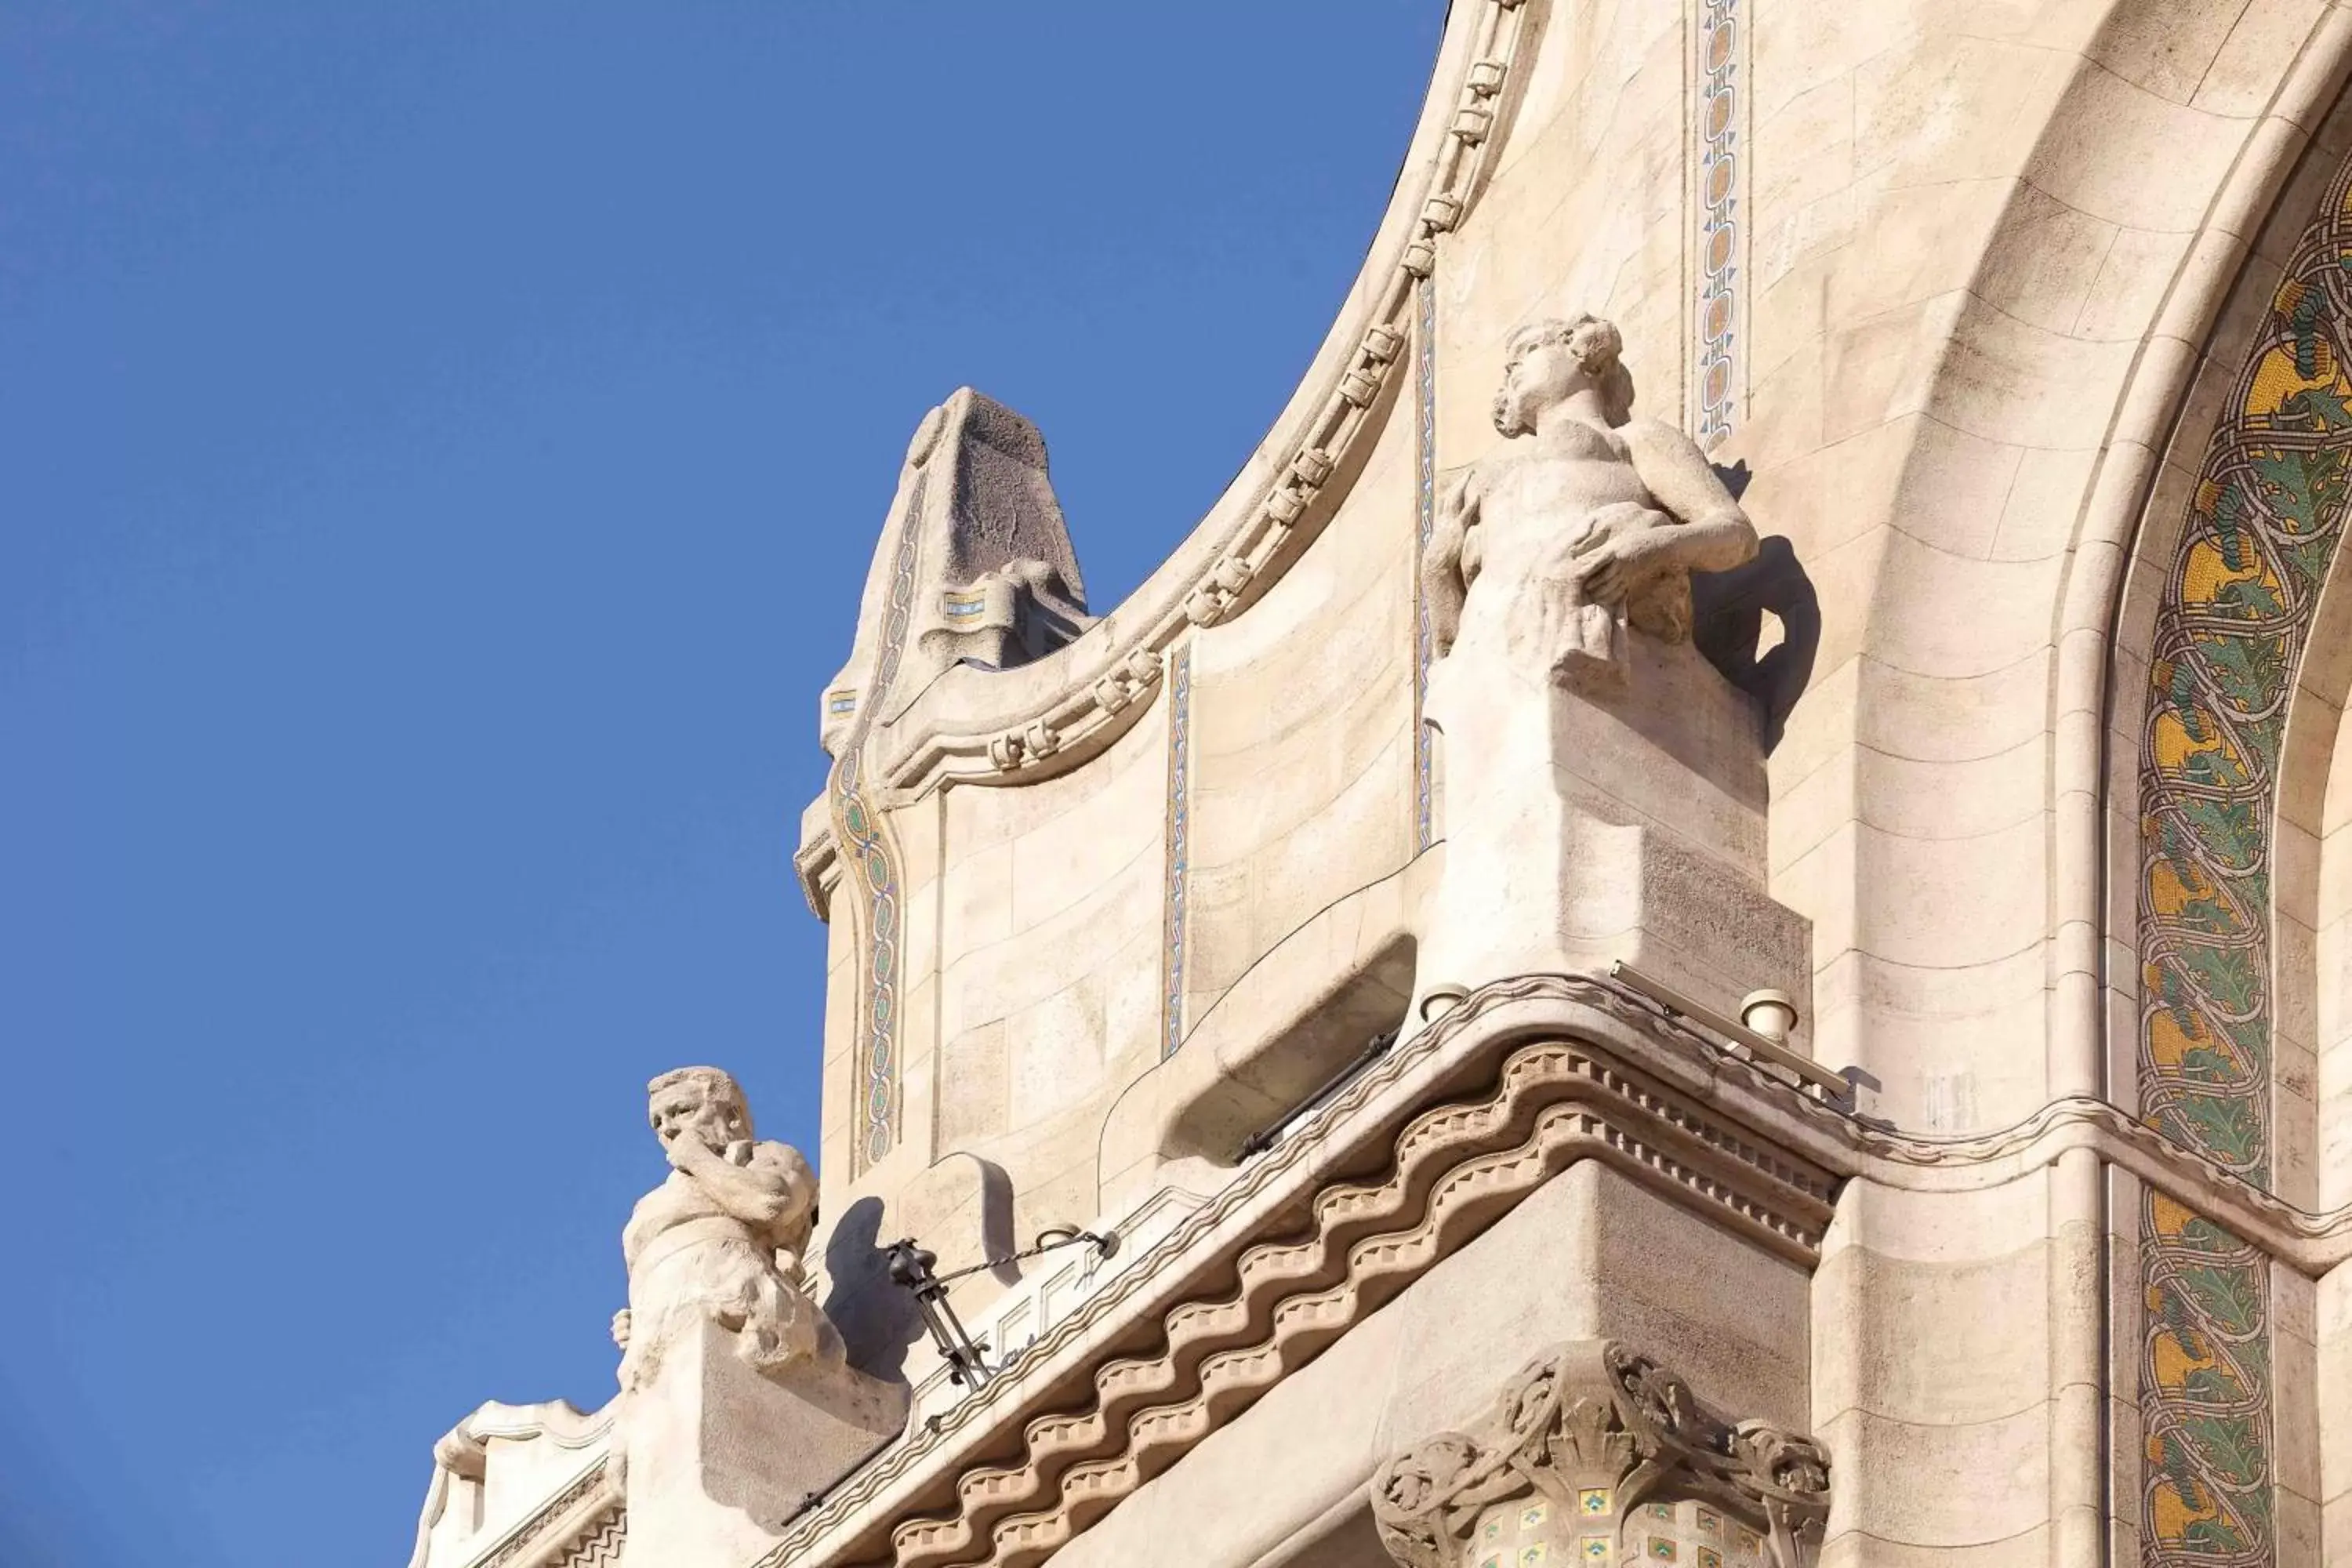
1595 1453
1603 786
737 1400
1544 553
721 1237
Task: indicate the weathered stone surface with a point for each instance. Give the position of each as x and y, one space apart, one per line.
736 1401
2005 325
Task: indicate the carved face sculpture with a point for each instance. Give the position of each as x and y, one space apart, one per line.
1547 362
701 1102
1541 373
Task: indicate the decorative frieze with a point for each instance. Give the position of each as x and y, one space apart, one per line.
871 851
1424 496
1452 1169
2235 610
1594 1453
1175 917
1719 240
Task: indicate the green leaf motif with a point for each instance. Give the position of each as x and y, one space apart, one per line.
2318 408
2249 670
2225 1129
2229 1297
2228 830
2213 1536
2228 974
2231 1447
2248 598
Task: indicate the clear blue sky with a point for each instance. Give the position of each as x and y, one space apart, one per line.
440 448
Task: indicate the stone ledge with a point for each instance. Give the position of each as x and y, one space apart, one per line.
1525 1078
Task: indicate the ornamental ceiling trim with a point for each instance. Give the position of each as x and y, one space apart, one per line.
1301 472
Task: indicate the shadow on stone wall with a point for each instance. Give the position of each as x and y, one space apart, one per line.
1729 609
877 1319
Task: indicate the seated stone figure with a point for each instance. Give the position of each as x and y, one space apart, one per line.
1544 552
736 1398
721 1237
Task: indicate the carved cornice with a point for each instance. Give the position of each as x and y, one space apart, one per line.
1594 1430
601 1546
1525 1078
565 1530
1306 463
464 1452
1580 1069
1229 1314
1457 1168
2311 1243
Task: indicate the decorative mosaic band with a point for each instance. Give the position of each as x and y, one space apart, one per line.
2232 622
2207 1476
1424 492
1180 810
871 863
1716 371
2230 625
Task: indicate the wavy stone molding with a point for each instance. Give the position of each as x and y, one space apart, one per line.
463 1456
1457 1168
599 1548
1596 1453
1232 1319
584 1524
1573 1069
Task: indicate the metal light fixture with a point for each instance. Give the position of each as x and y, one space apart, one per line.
910 1268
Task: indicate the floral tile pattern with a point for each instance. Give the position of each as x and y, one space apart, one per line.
2234 613
1717 306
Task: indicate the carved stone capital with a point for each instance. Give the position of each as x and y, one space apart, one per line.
1595 1453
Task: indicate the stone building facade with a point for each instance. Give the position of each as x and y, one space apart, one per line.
1707 919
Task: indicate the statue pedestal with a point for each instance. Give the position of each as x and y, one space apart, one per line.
1623 822
720 1458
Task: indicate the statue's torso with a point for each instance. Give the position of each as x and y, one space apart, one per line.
679 1199
1538 510
1535 505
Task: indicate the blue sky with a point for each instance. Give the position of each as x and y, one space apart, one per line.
440 448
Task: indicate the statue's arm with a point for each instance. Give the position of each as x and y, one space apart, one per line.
1443 585
759 1192
791 1227
1716 534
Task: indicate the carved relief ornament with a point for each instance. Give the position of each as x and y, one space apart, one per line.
1595 1453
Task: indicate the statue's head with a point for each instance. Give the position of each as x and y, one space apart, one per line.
1547 363
704 1101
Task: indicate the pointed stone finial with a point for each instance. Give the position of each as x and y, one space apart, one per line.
974 565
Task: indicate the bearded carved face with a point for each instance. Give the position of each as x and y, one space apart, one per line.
690 1105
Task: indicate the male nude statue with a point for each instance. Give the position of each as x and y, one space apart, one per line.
1544 552
720 1238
